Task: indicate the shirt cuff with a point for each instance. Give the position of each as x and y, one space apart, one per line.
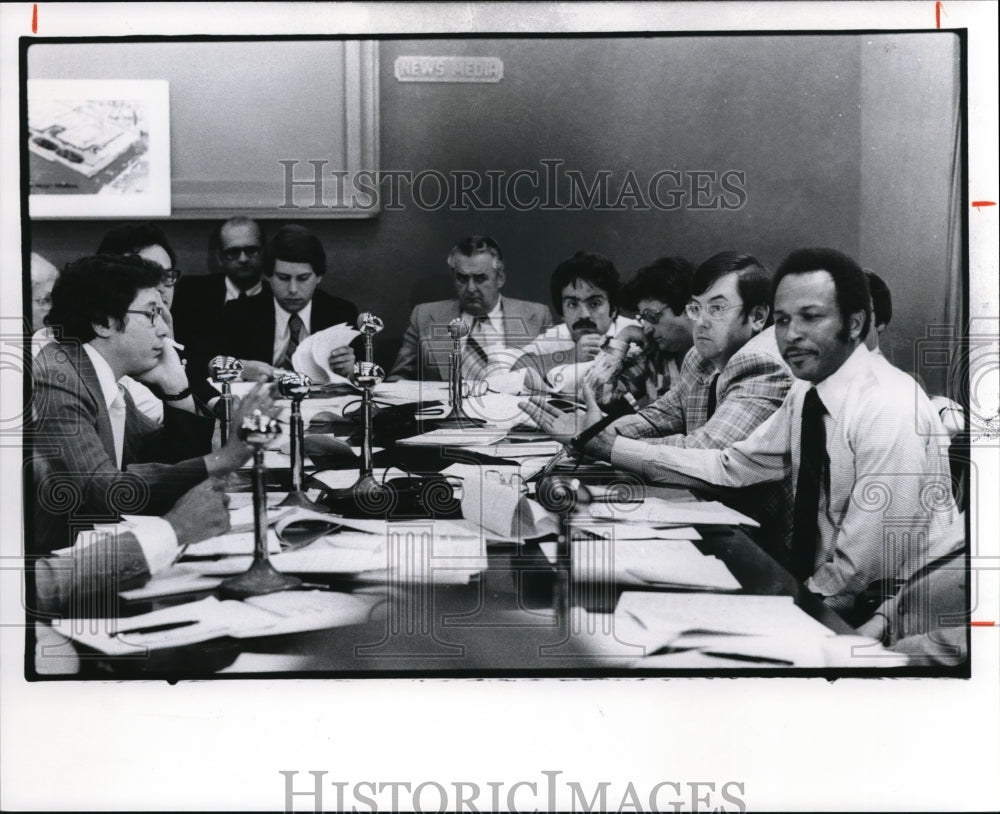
156 538
628 453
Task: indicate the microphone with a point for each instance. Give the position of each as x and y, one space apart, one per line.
369 323
457 328
623 406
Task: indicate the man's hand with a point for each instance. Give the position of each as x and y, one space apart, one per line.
342 361
588 346
168 376
632 334
553 421
200 513
253 370
236 452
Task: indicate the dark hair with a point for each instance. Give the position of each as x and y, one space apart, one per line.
295 244
753 279
132 238
98 290
591 267
881 299
667 279
215 239
848 278
477 244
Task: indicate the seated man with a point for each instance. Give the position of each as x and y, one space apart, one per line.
110 559
863 455
263 332
496 323
585 291
43 278
235 264
731 381
96 455
645 359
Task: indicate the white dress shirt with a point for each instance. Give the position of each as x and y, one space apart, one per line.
146 402
889 506
281 333
233 291
155 535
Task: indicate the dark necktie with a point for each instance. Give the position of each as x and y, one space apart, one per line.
712 395
473 346
812 459
294 335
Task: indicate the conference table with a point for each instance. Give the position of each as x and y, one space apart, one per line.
520 613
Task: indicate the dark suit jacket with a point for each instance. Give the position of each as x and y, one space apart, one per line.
77 482
197 314
247 330
427 346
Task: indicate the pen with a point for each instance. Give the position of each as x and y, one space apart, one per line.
156 628
746 657
627 404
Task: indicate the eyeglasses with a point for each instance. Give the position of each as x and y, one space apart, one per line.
152 314
232 254
714 310
651 316
170 277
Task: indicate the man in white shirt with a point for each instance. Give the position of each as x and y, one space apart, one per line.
108 559
96 456
860 442
585 294
495 323
263 332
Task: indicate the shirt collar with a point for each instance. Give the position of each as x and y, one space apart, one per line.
495 316
281 317
105 375
233 291
839 386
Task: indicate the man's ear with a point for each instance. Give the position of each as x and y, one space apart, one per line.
501 278
855 322
758 317
105 330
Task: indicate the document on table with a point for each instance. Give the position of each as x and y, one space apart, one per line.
654 511
649 563
474 436
635 531
210 618
231 544
409 392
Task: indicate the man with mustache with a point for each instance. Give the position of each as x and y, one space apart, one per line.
496 323
585 293
860 441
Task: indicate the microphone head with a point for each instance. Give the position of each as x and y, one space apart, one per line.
259 429
294 386
225 368
367 374
370 324
457 328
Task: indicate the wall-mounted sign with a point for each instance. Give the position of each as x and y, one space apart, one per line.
449 69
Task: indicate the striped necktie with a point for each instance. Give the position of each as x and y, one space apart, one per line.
294 336
476 356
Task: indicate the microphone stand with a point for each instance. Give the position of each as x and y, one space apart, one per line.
367 495
225 369
295 387
561 496
259 430
457 417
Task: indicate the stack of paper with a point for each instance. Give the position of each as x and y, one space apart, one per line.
312 355
649 563
737 629
654 511
410 392
284 612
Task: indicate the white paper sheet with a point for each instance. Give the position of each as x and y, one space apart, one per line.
655 511
312 355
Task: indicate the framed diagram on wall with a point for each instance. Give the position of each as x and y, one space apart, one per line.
98 148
